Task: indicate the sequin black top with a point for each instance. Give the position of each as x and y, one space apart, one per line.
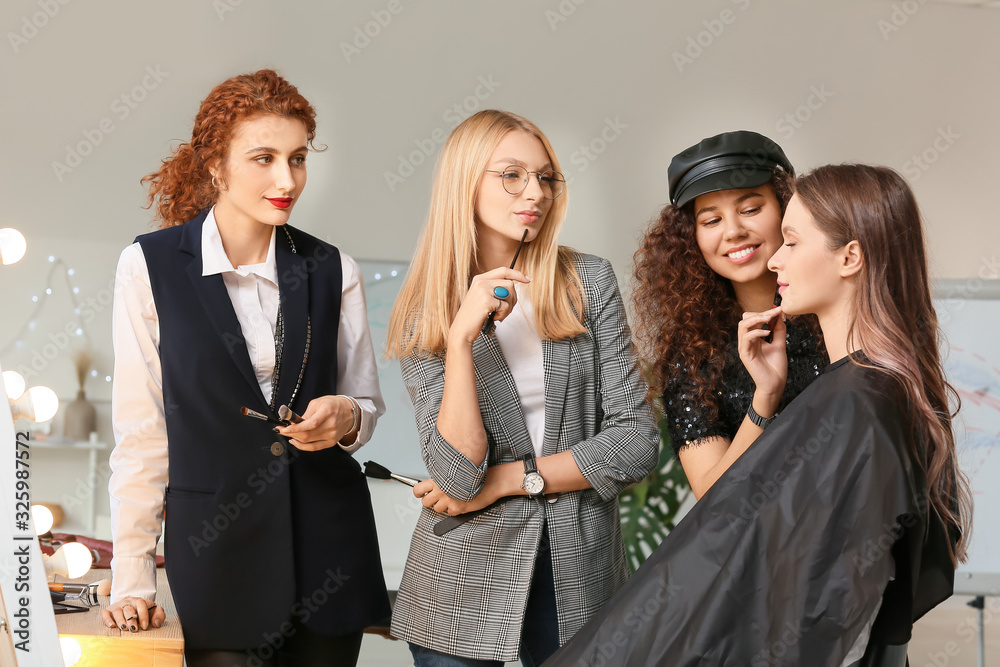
688 420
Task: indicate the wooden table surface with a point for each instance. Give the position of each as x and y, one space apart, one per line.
110 647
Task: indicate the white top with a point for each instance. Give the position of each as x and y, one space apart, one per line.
139 461
522 348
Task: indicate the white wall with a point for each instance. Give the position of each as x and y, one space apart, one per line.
884 97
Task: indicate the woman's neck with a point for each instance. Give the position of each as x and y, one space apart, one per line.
758 295
836 325
245 241
496 254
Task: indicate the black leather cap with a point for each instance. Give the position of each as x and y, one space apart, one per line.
728 161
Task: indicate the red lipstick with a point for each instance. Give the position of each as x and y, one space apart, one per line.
280 202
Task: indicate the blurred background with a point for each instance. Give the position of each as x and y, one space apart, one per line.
96 93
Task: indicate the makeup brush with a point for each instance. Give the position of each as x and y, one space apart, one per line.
377 471
488 324
285 413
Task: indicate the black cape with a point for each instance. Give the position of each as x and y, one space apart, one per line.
786 558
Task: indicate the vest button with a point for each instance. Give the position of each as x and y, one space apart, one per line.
277 448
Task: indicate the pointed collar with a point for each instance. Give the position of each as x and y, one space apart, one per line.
215 260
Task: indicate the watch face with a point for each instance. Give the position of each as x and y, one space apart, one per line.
533 483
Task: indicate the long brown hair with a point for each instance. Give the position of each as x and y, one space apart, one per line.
685 310
894 322
438 278
182 187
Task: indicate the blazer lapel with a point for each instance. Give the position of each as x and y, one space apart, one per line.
555 365
497 388
214 298
293 286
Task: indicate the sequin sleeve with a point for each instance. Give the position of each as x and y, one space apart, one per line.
687 419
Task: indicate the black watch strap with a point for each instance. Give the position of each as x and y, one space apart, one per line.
762 422
529 463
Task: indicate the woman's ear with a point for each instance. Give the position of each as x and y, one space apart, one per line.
851 259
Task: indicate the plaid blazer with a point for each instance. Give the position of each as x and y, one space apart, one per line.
465 593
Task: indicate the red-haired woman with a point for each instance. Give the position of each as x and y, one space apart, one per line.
701 265
844 522
270 538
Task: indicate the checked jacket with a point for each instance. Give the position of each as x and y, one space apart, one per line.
464 593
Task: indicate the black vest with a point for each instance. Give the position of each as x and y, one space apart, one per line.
257 533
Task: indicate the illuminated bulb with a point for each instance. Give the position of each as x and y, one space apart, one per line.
14 384
42 518
71 560
12 245
38 404
71 651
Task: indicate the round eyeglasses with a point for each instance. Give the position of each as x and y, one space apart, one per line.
515 180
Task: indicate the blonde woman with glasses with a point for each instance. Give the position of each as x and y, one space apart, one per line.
529 403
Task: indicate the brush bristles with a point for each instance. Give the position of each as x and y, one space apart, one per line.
377 471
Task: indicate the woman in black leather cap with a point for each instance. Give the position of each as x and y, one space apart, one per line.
842 525
701 265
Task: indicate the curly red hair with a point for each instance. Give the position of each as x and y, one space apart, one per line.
685 311
182 187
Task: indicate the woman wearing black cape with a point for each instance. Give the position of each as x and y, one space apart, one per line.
842 524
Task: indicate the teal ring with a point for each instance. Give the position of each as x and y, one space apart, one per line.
501 292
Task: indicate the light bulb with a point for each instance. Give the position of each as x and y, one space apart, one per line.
42 517
71 560
14 384
12 245
38 404
71 651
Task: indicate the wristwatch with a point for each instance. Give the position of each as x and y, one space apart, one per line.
533 482
762 422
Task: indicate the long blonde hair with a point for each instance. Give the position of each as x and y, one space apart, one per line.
439 276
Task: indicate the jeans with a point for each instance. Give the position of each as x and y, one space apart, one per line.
539 635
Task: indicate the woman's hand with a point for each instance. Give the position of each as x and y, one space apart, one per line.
767 363
133 614
480 301
325 423
432 497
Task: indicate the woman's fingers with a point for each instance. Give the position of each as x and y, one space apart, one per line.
133 614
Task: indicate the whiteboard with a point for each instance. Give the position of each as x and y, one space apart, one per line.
969 313
395 442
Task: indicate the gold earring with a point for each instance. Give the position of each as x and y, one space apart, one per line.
215 185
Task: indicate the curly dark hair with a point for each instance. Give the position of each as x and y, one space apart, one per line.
182 186
685 311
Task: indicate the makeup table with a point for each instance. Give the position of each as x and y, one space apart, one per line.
109 647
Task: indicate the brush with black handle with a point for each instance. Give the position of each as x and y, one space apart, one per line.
376 471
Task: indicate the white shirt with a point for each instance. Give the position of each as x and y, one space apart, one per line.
522 347
139 460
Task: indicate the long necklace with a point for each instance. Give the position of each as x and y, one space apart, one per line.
279 344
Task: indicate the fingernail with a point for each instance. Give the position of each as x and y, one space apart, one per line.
157 623
123 627
133 628
275 429
110 624
144 624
